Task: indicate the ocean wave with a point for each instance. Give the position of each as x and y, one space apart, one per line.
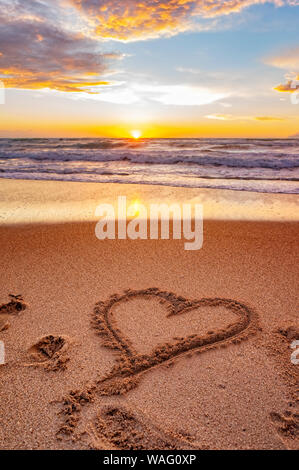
99 171
263 186
263 165
101 145
163 158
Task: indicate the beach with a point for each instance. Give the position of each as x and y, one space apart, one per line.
139 343
149 227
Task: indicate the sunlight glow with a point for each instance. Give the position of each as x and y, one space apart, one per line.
136 134
134 208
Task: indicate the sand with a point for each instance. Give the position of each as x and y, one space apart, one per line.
139 344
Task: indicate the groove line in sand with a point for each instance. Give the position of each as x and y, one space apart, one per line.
125 375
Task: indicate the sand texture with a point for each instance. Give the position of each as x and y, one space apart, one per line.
139 344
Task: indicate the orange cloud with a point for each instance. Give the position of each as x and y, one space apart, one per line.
37 54
289 61
269 118
133 20
288 87
128 19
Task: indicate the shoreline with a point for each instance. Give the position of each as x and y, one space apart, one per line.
32 201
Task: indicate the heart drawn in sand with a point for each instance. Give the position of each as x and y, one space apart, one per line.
131 362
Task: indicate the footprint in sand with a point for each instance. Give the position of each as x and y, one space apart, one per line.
13 307
287 426
50 352
4 325
120 427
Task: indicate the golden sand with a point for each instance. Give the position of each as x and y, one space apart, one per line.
140 344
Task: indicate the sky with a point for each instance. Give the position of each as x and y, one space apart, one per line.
169 68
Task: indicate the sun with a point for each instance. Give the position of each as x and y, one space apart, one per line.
136 134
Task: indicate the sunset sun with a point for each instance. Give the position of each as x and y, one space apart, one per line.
136 134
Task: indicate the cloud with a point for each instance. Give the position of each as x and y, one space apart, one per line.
226 105
183 95
230 117
269 118
288 87
289 61
188 70
143 19
54 45
35 54
171 95
221 117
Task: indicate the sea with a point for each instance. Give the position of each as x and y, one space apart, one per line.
258 165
